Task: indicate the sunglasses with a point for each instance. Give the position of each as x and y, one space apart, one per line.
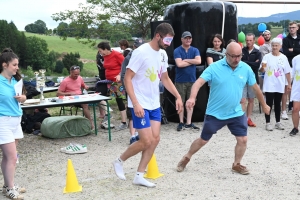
74 68
167 40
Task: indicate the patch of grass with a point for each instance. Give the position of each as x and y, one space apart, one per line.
276 30
56 44
86 52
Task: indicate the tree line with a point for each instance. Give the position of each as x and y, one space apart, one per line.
33 52
252 28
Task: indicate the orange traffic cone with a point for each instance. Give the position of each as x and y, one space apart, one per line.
71 181
152 169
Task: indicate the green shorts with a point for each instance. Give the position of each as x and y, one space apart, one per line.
184 89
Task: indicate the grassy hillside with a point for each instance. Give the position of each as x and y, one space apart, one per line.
276 30
86 52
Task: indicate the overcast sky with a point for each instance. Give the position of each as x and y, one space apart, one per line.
23 12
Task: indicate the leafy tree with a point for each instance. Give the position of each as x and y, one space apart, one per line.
77 55
38 26
252 28
62 29
137 14
41 24
37 56
54 31
59 66
49 32
14 39
87 16
65 72
70 60
22 53
31 28
52 58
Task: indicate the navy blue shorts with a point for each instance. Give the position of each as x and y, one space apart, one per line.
237 126
144 122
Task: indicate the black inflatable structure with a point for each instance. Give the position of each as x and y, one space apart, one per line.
203 19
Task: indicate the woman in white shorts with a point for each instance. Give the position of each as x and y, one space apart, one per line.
295 94
10 118
277 70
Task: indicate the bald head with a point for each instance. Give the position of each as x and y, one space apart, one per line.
233 54
234 48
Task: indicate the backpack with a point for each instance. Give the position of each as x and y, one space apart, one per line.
30 123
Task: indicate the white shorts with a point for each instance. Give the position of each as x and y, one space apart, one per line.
10 129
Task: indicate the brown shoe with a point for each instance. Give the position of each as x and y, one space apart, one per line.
240 169
182 163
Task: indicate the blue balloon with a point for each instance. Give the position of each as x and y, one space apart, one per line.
283 35
262 27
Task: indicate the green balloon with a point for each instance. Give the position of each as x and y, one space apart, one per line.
241 37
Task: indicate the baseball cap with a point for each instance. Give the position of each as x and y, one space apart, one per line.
266 31
186 34
138 42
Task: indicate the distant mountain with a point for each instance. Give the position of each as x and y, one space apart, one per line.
295 15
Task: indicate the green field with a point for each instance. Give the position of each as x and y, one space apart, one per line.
87 52
276 30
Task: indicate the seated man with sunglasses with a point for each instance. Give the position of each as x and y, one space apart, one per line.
73 85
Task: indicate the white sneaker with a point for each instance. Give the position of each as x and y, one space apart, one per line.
122 126
63 150
74 149
279 126
13 194
16 187
284 115
269 127
104 125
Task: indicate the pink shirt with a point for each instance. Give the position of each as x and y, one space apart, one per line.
71 85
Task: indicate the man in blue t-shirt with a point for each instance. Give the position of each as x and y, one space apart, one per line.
186 58
228 77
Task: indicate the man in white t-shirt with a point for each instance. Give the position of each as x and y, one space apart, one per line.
146 68
295 94
290 48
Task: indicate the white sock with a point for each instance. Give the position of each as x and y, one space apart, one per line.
118 167
140 180
133 136
284 112
136 134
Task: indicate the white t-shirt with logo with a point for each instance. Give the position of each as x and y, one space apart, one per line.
277 67
295 93
148 66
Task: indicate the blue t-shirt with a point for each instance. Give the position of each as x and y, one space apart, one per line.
8 104
185 74
226 88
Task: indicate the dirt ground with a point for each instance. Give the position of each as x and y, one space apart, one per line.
272 158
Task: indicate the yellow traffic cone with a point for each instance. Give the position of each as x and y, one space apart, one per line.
152 169
71 181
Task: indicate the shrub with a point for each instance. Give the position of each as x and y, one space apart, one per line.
70 60
59 67
65 72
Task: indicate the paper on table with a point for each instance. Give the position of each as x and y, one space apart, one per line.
18 87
